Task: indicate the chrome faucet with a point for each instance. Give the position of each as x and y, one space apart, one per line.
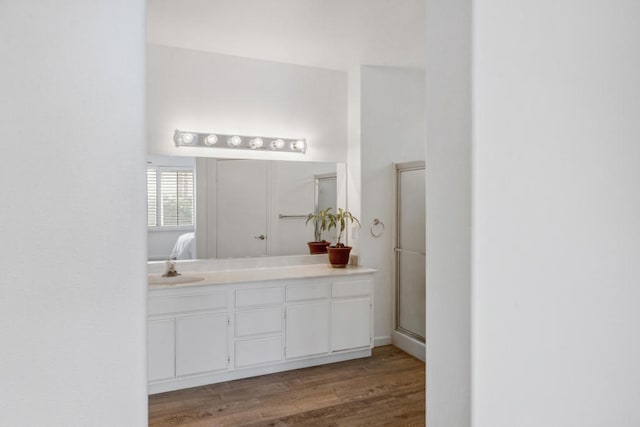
171 269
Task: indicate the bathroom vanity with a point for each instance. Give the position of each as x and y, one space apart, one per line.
227 322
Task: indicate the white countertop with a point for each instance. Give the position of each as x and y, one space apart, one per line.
260 274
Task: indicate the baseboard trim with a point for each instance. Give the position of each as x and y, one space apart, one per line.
235 374
380 341
415 348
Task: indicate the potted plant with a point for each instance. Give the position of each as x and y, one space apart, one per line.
339 254
320 224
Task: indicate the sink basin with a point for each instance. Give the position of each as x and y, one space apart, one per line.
157 279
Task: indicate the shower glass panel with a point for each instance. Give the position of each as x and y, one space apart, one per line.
326 192
410 250
326 197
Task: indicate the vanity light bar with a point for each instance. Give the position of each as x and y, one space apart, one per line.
241 142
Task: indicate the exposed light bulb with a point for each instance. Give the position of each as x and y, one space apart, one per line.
255 143
211 139
234 141
194 139
298 145
277 144
186 137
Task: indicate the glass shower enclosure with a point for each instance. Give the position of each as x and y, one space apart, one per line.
410 256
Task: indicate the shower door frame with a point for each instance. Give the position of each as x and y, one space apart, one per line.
418 340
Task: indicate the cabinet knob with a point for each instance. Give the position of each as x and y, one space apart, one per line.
260 237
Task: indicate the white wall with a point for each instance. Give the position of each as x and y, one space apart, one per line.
557 213
448 120
392 131
72 286
160 243
205 92
354 143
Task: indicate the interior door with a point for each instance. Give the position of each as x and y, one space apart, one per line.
241 200
410 250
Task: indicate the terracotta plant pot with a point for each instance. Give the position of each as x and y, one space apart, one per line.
339 257
318 247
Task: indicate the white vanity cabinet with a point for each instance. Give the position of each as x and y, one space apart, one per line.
208 333
201 343
259 325
351 314
161 348
308 319
187 332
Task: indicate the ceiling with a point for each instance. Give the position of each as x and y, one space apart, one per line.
334 34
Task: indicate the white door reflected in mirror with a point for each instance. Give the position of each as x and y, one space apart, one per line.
241 200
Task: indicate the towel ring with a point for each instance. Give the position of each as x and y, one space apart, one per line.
377 228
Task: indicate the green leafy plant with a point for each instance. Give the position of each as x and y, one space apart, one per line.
339 221
320 222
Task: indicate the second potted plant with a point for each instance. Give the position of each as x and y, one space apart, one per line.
339 254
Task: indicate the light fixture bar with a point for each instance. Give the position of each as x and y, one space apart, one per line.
239 142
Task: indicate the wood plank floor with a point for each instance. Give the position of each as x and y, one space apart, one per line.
387 389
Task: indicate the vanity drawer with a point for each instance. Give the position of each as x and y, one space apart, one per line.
258 352
351 288
255 322
259 297
186 303
308 292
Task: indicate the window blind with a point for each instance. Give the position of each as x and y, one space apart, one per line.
152 197
176 193
171 204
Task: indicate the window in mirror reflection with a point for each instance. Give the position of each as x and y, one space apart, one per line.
170 197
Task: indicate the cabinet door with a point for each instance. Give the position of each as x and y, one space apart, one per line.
202 344
351 323
161 349
307 329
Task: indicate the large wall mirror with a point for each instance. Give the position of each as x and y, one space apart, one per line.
232 208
